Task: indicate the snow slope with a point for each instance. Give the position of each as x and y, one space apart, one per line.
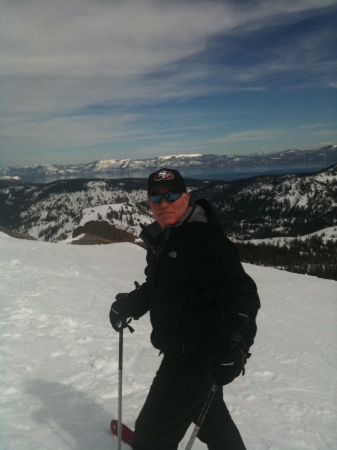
327 234
59 353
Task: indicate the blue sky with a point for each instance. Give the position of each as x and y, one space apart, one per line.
111 79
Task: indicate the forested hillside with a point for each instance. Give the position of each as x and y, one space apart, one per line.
91 211
312 256
272 206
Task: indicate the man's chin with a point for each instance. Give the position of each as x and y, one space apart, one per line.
167 221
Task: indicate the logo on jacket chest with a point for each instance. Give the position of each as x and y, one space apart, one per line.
172 254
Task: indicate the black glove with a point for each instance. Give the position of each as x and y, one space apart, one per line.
230 366
117 320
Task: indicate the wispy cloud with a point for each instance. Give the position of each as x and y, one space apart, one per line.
123 38
250 135
275 133
78 73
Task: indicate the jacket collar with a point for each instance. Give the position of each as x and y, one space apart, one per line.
152 233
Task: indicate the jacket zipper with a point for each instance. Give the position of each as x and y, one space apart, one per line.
165 237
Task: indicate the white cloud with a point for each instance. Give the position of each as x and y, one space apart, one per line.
121 37
128 37
250 135
59 57
274 133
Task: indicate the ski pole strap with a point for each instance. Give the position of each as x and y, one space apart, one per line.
202 416
125 325
129 326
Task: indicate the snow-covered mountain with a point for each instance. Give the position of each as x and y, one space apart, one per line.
59 354
255 208
324 156
52 212
327 234
272 206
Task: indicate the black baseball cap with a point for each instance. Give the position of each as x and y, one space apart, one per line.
166 177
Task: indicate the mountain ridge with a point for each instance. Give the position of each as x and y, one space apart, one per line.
276 205
255 208
322 156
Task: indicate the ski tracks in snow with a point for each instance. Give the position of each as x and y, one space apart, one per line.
60 355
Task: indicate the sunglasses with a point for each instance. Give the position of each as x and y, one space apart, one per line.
169 196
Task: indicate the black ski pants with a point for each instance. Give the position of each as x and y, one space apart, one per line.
175 400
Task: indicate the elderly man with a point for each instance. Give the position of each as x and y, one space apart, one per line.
202 307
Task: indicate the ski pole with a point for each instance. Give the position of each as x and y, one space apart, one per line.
120 371
120 379
120 385
202 416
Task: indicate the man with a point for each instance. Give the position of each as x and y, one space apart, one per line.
202 308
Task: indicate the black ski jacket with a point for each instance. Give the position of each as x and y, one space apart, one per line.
196 290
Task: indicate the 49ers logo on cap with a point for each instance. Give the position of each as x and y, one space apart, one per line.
163 175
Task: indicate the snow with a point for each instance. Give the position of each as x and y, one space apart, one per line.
59 354
80 206
126 210
10 178
195 155
327 234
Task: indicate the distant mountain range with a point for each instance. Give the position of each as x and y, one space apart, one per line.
324 156
255 208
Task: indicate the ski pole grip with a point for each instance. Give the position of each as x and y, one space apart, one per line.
120 325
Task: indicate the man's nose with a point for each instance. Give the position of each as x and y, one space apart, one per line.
164 203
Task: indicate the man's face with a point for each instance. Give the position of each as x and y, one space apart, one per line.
168 213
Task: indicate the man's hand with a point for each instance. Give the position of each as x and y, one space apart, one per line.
117 320
230 366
